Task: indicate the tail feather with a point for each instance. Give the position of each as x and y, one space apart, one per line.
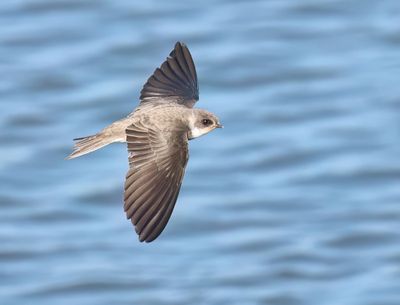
77 139
87 144
112 133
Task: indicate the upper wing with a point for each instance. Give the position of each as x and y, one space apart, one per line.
174 81
157 164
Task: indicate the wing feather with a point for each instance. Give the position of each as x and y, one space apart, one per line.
174 81
157 163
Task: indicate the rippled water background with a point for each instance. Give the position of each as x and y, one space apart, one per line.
296 201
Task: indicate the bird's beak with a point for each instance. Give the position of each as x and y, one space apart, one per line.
220 126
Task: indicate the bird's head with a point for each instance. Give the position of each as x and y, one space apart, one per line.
202 122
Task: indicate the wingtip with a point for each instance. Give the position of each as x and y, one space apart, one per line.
177 49
144 239
180 44
175 79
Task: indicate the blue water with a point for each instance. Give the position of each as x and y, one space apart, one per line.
295 201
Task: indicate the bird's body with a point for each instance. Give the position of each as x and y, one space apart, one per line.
157 132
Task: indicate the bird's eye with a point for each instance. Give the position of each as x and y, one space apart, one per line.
206 122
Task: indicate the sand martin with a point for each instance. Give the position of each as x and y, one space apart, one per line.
157 134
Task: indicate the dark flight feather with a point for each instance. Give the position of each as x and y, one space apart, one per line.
174 81
157 164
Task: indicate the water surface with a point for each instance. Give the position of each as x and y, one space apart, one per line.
295 201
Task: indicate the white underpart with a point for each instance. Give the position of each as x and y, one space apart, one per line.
195 131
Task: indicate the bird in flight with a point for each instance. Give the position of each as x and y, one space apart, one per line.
157 134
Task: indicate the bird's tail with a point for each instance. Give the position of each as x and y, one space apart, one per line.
112 133
88 144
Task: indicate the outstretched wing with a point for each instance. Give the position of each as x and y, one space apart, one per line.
174 81
157 164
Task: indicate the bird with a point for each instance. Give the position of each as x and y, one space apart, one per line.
157 134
